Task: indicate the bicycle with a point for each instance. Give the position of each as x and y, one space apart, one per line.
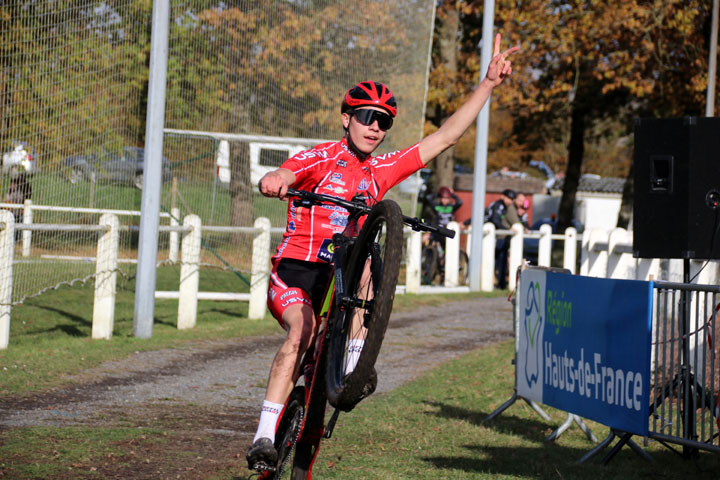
432 264
357 304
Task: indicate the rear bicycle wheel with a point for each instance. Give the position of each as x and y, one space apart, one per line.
428 264
287 434
463 268
370 281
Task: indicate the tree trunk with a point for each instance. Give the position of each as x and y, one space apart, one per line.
447 33
444 169
576 149
628 197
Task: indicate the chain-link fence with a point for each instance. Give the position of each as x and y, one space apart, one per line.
73 94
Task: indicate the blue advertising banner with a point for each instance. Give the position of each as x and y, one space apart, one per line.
584 346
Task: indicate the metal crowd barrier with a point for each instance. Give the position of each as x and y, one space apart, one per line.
685 366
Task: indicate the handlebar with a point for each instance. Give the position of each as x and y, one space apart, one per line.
357 207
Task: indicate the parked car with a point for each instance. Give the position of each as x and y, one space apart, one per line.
530 245
111 167
21 159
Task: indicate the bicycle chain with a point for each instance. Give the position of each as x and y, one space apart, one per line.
281 468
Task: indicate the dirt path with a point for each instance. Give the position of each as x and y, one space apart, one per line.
207 397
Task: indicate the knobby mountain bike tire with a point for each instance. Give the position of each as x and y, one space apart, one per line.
463 268
429 264
287 434
378 248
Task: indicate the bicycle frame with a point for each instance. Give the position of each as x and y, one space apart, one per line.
314 362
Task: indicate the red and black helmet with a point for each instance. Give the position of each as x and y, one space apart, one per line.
370 94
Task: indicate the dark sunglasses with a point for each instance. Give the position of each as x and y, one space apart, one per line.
367 117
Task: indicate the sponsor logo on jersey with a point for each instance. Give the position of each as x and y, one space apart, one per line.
272 294
283 245
385 156
364 184
337 219
336 178
345 147
310 154
325 252
339 190
288 293
341 163
292 300
291 226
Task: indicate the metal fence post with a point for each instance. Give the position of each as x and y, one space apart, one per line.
189 273
452 256
260 275
487 273
7 247
106 278
412 264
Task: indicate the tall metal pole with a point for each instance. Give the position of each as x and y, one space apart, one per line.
481 142
152 173
712 63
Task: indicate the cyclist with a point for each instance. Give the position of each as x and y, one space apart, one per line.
301 266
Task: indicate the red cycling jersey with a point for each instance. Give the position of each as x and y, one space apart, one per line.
333 169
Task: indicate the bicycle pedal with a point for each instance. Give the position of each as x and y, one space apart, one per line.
262 467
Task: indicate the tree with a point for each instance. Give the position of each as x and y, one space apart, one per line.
445 75
280 68
586 61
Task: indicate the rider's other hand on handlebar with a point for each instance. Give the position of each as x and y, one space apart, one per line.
276 183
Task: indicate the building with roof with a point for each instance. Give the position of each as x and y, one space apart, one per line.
597 201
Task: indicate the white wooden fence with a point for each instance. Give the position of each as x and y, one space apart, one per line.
106 269
602 254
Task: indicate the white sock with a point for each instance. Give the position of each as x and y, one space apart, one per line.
353 354
268 420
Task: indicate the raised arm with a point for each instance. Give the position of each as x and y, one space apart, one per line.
451 131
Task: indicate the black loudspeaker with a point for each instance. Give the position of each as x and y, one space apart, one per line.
677 188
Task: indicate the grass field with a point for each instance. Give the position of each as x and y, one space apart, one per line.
431 428
50 333
434 428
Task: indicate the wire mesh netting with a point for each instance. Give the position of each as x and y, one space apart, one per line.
249 83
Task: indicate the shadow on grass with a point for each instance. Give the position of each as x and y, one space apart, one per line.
529 428
554 461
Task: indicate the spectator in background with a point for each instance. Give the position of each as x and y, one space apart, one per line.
503 214
522 203
444 204
19 191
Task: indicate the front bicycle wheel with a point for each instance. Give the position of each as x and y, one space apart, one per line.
370 281
287 434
